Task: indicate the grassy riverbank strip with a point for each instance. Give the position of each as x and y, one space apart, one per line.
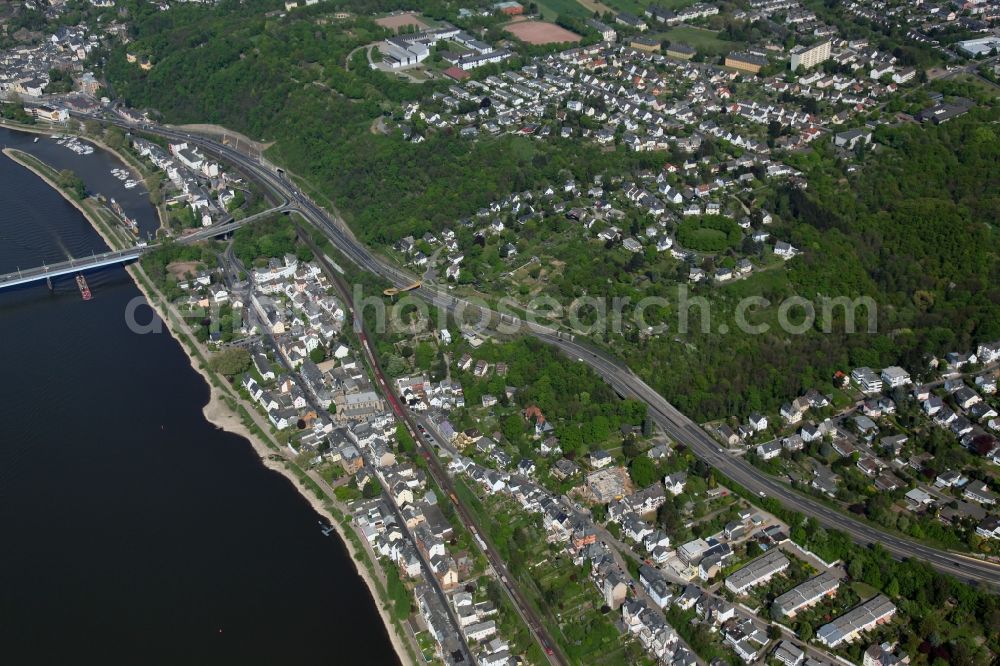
138 169
103 220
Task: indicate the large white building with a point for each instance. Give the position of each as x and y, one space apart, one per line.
410 49
809 56
979 47
894 377
866 378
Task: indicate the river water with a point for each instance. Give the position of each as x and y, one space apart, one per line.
132 531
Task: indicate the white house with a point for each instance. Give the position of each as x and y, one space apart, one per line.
894 377
675 483
769 450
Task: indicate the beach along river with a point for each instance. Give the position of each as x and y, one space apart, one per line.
134 531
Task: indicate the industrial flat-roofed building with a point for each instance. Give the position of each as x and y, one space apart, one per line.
979 47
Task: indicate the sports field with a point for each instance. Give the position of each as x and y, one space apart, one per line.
397 21
540 32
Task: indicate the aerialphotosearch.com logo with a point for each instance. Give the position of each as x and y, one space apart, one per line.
586 315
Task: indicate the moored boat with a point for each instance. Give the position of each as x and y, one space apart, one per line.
81 283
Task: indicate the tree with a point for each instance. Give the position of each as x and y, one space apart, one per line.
317 355
395 366
856 568
513 428
805 631
424 355
372 489
230 362
114 138
643 472
70 182
667 516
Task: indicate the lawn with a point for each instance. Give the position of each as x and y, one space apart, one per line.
550 9
705 41
709 234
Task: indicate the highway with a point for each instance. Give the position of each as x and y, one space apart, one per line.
626 383
686 431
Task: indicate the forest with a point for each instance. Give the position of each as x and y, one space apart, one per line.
913 230
584 410
910 229
255 244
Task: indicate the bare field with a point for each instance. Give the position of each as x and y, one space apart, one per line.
179 269
397 21
540 32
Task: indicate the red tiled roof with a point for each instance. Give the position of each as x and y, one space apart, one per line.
457 73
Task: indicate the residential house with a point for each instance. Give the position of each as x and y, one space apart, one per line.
858 620
758 422
978 491
806 594
769 450
675 483
757 572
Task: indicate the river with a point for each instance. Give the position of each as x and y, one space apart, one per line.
134 531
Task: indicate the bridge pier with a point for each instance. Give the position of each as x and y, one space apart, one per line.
48 282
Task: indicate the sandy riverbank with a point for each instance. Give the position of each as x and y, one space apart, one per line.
218 413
